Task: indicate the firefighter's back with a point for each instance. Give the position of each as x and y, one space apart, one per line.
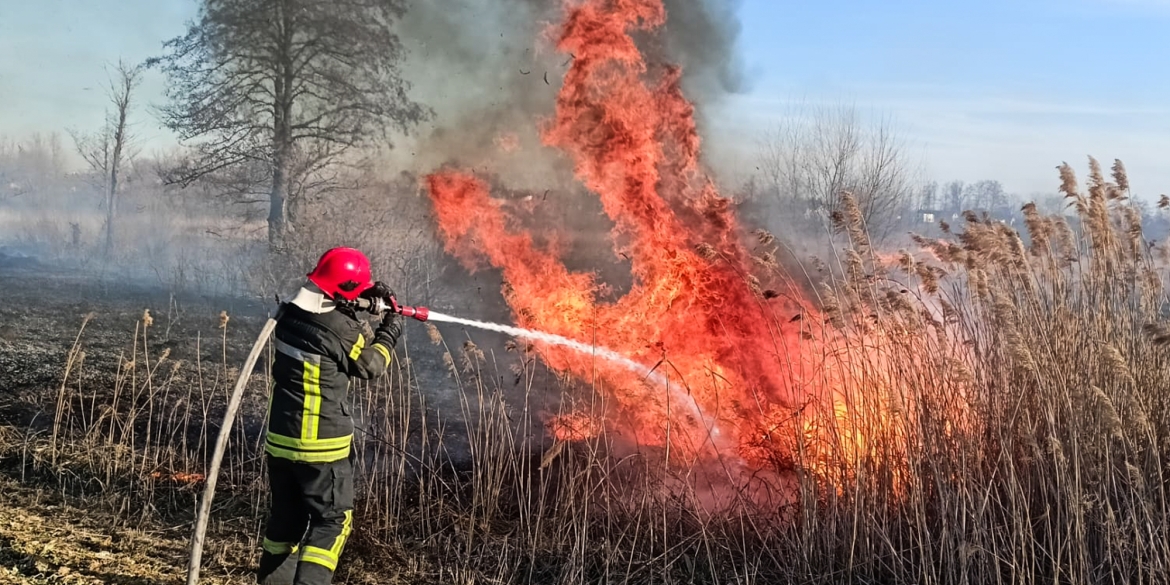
309 419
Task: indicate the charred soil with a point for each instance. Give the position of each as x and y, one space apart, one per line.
53 528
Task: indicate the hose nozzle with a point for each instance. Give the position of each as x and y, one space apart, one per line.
379 306
419 313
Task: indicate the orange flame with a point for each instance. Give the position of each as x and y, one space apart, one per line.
695 311
178 477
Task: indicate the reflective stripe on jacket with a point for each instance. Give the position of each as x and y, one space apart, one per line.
316 355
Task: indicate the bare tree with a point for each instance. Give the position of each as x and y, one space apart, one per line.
106 150
985 195
276 93
928 195
954 196
810 159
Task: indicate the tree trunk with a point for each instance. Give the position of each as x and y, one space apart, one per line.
278 200
127 80
281 131
112 201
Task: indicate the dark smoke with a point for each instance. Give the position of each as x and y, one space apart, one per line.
702 36
478 65
488 69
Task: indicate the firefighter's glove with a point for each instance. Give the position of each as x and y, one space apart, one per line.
380 290
390 329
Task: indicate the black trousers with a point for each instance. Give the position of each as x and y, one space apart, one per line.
310 518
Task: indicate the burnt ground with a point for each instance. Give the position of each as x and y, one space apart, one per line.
47 536
43 309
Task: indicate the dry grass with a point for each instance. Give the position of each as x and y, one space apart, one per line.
992 410
45 540
1032 433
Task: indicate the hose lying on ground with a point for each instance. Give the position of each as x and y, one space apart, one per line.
217 458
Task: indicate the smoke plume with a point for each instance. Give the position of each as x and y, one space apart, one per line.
702 37
490 74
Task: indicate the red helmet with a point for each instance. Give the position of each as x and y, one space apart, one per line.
342 272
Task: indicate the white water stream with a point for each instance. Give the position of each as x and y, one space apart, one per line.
676 391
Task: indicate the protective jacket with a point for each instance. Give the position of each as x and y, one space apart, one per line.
318 349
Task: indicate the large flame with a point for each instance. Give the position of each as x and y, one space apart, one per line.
695 313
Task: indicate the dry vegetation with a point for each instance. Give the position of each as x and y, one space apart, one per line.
1005 423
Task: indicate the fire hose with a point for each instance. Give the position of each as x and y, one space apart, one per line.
375 307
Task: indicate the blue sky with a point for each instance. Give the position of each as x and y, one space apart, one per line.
992 89
53 54
1001 89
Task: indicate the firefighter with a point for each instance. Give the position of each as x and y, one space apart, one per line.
320 346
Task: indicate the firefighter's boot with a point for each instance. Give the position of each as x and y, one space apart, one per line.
276 569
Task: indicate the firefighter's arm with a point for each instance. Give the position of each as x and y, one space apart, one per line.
369 361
